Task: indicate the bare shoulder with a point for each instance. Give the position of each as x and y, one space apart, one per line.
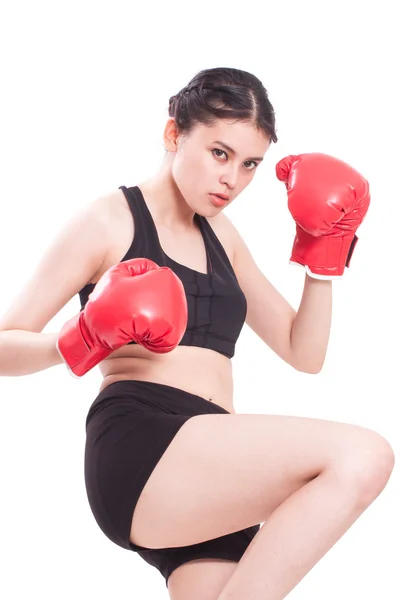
78 251
110 214
110 208
226 232
114 211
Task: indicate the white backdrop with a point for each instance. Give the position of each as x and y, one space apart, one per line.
85 93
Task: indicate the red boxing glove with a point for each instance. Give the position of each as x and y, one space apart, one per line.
328 200
135 300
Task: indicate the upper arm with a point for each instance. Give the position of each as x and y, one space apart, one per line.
68 264
269 314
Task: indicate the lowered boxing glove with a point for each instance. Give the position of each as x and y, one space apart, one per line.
328 200
135 300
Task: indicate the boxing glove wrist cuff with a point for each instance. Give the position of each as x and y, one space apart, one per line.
324 257
312 274
77 349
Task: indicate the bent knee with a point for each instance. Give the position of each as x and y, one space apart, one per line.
367 465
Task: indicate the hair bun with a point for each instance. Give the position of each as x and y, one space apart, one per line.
223 93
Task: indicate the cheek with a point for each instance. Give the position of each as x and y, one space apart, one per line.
188 170
181 166
192 166
244 181
204 162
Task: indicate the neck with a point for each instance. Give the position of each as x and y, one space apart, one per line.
165 201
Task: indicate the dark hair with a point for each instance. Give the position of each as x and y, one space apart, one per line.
223 93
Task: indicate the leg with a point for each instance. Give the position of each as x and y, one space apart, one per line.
201 579
222 473
296 536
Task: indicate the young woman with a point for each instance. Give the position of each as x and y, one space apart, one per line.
166 284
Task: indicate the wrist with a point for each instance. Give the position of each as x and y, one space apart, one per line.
54 354
312 281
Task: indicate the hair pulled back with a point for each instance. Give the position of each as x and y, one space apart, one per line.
223 93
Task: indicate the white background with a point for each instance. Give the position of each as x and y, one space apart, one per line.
85 90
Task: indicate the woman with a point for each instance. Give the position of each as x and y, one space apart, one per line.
166 284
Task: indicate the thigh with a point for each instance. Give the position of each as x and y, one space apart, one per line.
201 579
222 473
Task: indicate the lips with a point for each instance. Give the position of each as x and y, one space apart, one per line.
217 200
223 196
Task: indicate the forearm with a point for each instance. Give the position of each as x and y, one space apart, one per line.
25 352
311 326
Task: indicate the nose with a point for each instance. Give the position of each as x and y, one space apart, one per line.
229 176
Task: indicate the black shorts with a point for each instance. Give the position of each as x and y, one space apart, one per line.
128 428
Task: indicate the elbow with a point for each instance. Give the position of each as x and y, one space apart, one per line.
313 369
311 364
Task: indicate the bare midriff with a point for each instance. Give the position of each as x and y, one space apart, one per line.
199 371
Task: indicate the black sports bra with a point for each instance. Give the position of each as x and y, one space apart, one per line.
216 304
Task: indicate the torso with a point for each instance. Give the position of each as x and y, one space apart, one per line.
199 371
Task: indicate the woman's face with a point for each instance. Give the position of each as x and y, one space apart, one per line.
217 159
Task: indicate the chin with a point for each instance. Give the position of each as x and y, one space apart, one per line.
204 207
209 211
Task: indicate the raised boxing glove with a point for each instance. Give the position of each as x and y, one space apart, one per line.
328 200
135 300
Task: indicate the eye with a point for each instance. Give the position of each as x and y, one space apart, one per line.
250 162
218 150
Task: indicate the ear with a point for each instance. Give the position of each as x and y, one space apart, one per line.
171 135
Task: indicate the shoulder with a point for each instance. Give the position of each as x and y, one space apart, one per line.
110 205
112 212
226 232
70 261
242 261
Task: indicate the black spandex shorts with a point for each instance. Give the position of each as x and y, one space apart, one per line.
128 428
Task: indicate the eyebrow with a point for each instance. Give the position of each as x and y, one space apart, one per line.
260 158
